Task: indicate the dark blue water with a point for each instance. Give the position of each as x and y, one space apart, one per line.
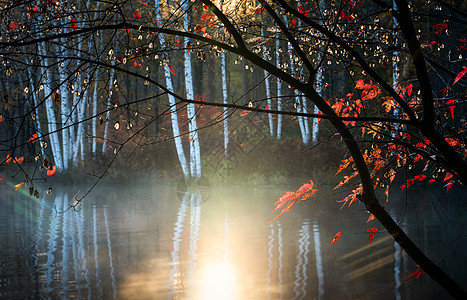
146 243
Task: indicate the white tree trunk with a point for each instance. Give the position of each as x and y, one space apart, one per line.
318 85
94 120
224 99
51 120
279 91
107 115
173 105
65 110
37 120
298 103
195 156
268 93
82 95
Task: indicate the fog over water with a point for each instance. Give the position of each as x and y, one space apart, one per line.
148 243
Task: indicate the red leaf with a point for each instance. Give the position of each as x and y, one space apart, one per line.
451 104
459 76
371 234
144 3
245 112
176 43
409 89
33 138
336 237
13 26
417 274
449 185
137 16
293 22
172 70
260 10
440 28
448 176
1 119
267 107
74 24
52 172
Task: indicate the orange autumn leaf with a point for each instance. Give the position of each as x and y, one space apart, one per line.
336 237
353 196
371 234
370 218
345 164
18 186
417 274
52 172
19 160
346 179
33 138
8 159
290 198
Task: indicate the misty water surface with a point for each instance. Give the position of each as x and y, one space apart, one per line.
147 243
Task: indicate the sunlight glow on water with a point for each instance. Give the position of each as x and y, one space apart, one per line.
217 281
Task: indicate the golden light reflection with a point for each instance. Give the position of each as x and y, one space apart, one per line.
217 281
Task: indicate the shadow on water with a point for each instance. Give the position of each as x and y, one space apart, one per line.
134 243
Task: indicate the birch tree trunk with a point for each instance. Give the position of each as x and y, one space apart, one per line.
172 103
51 119
224 99
195 156
94 120
298 103
64 109
318 85
268 92
108 105
37 119
278 90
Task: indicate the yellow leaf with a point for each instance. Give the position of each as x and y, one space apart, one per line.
18 186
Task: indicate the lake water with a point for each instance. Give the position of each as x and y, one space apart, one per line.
144 242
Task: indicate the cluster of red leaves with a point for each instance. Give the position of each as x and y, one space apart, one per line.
300 10
370 91
13 26
290 198
411 181
16 160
